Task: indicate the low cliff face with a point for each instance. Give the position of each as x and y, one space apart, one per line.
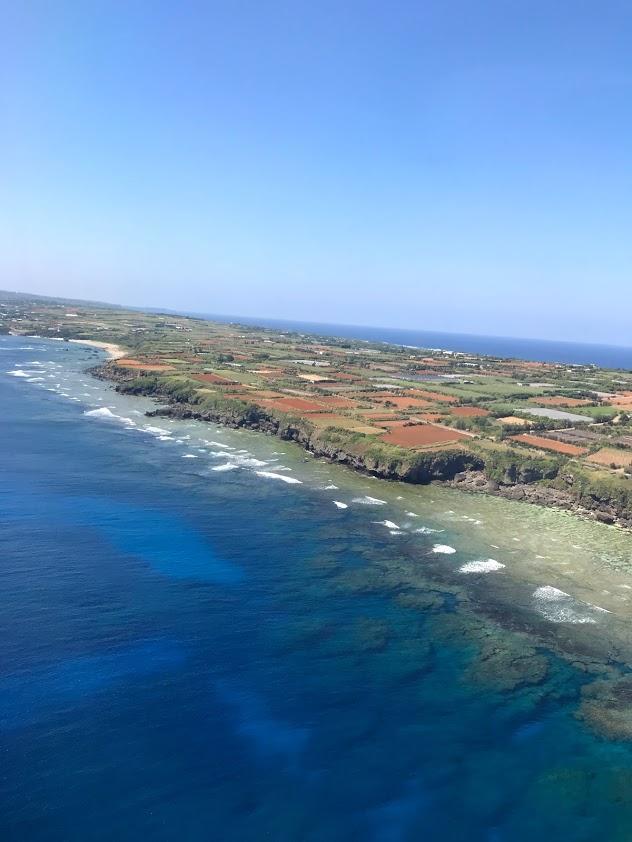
407 467
362 453
530 480
586 504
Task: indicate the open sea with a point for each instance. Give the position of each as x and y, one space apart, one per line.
206 634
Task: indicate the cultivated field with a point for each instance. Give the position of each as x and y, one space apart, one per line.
421 435
550 444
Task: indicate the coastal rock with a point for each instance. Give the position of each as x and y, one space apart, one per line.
506 666
422 600
607 707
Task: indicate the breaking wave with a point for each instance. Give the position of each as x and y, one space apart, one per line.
560 607
282 477
481 566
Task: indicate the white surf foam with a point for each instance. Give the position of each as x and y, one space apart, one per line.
102 412
157 431
238 460
282 477
560 607
368 501
387 523
443 549
189 456
481 566
426 530
18 372
225 467
340 505
105 412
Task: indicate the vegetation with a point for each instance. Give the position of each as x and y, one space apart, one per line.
394 411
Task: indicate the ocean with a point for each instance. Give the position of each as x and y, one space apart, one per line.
536 350
206 634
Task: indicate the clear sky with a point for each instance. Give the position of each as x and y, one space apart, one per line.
456 165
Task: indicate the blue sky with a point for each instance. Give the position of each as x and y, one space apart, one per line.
453 165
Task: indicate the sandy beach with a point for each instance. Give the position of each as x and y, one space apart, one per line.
115 352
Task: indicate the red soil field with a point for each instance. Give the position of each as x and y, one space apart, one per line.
293 405
213 378
421 435
621 399
470 412
549 444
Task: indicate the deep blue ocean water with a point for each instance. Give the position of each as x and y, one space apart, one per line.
198 655
537 350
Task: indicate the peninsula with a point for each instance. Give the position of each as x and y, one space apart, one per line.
552 434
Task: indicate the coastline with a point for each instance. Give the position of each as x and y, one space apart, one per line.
370 408
554 567
555 572
455 469
114 351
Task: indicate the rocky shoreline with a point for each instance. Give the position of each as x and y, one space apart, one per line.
454 468
435 467
540 495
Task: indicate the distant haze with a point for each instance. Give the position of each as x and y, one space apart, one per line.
447 165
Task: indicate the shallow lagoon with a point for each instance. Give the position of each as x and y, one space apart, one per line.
200 653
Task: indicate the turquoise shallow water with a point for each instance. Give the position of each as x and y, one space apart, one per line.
190 653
